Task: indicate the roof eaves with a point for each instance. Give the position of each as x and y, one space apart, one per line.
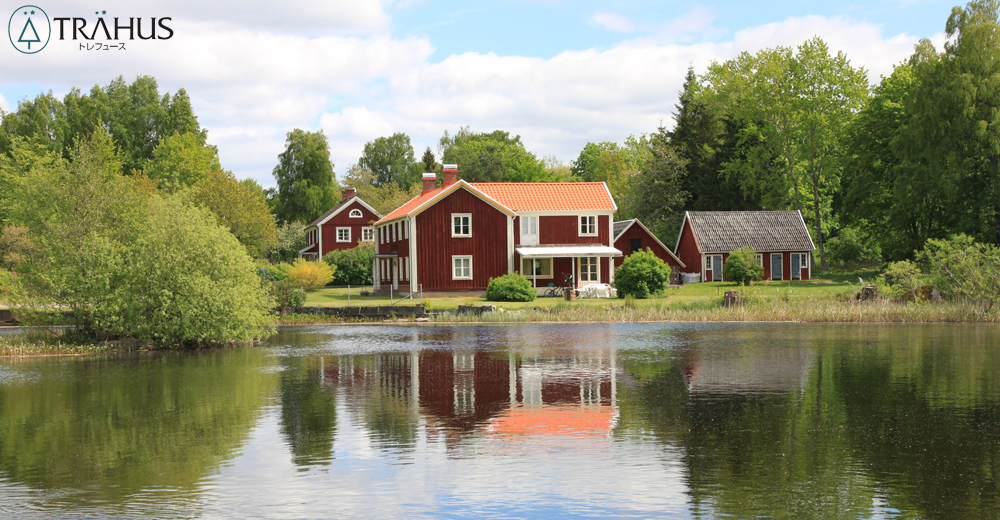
630 223
808 234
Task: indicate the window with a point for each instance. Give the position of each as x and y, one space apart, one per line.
367 234
589 270
588 225
461 224
394 231
529 225
461 268
381 235
543 268
343 234
406 229
355 213
760 259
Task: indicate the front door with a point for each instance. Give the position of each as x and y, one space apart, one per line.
717 268
635 245
796 267
776 266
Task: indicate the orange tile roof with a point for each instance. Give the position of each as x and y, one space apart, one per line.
527 196
555 420
549 196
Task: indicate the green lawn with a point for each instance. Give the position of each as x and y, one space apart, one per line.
823 287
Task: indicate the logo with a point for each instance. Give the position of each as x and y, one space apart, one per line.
29 29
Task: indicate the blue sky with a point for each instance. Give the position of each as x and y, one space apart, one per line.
558 73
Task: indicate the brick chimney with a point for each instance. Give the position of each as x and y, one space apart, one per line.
429 180
346 194
450 174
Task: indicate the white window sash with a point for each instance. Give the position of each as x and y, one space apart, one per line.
355 213
461 224
343 235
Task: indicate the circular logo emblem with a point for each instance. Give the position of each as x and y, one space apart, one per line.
29 29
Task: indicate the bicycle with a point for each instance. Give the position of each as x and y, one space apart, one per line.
553 292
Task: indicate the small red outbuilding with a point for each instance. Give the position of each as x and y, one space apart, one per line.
342 227
780 238
632 235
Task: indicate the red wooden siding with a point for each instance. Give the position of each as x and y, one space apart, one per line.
688 251
343 219
435 245
565 229
636 231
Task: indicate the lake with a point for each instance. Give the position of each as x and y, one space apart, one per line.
621 420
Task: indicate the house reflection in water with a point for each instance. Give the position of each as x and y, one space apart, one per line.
459 393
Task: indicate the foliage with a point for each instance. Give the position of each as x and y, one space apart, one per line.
181 161
290 238
306 186
853 248
239 208
136 115
391 160
965 269
492 157
641 274
311 274
352 266
511 287
900 277
129 263
656 193
947 144
286 292
15 245
428 161
615 165
384 198
705 138
793 109
742 268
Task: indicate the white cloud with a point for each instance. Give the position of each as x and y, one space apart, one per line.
4 106
615 22
250 86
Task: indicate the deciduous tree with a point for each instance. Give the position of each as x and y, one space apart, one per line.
306 186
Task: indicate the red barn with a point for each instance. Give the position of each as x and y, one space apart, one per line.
780 238
632 236
342 227
460 235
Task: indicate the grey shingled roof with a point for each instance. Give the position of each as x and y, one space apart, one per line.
620 227
763 231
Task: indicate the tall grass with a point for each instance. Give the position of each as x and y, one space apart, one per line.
50 344
767 310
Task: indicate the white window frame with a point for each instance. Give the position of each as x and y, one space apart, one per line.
344 241
460 216
526 270
592 224
406 229
381 235
597 272
394 228
760 259
529 225
355 213
455 275
367 234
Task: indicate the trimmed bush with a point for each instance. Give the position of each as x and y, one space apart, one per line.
742 267
510 288
352 266
641 274
311 274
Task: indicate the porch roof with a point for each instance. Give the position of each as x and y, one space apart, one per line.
567 251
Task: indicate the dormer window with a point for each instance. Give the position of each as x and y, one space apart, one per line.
355 213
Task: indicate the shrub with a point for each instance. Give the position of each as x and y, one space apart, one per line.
353 266
311 274
964 269
641 274
900 278
286 293
510 288
742 267
853 248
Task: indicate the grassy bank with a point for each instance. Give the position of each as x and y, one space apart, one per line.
33 344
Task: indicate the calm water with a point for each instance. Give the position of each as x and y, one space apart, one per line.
702 421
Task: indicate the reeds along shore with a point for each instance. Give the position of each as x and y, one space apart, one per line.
802 312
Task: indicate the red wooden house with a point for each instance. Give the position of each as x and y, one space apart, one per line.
780 238
632 236
460 235
342 227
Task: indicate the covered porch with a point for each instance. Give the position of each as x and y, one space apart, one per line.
552 266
